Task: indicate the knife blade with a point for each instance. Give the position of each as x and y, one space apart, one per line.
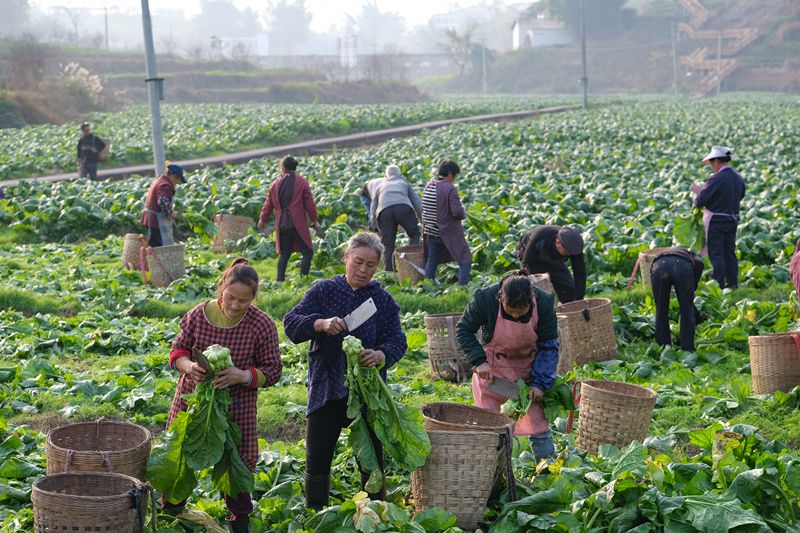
361 314
504 387
202 360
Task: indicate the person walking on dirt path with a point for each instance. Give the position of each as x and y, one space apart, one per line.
234 322
395 203
442 213
720 197
318 318
366 194
680 268
519 340
158 213
547 249
89 146
291 199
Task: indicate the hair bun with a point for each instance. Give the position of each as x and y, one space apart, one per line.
240 261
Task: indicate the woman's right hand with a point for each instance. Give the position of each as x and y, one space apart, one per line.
331 326
192 369
484 371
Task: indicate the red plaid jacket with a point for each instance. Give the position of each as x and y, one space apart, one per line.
253 343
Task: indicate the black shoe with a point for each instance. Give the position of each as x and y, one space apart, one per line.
318 489
239 525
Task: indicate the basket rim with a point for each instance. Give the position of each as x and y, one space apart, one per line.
593 384
468 407
773 336
444 315
594 303
86 475
409 247
147 441
656 250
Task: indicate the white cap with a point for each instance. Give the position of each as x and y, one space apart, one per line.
717 152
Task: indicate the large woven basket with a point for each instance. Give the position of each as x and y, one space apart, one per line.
165 263
408 262
774 362
100 446
585 332
447 359
613 412
468 447
542 281
88 501
131 246
646 259
231 228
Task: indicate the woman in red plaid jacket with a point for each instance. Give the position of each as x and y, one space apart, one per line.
249 333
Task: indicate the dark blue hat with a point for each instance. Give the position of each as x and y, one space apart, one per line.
177 170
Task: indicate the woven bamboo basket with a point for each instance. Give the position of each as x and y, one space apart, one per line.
88 501
131 245
612 412
585 332
543 282
447 359
468 447
774 362
405 259
165 263
646 259
100 446
231 228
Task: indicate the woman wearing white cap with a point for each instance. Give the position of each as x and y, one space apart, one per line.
721 196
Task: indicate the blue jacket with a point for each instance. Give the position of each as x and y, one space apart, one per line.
722 192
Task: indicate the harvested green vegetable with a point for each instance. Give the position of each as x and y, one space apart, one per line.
517 407
557 400
398 427
203 436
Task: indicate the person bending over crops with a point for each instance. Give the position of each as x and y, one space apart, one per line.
231 321
720 197
519 342
547 249
290 197
319 318
395 202
680 268
442 213
158 213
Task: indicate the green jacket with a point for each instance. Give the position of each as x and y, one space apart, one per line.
482 312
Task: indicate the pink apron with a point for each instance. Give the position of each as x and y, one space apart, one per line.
510 354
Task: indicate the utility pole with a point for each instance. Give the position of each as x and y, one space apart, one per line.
584 79
719 62
483 68
674 59
106 18
155 90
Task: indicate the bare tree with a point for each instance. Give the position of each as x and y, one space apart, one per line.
195 52
27 60
459 47
241 52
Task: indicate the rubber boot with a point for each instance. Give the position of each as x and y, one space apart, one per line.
318 490
240 524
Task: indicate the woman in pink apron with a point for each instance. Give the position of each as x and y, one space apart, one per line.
519 341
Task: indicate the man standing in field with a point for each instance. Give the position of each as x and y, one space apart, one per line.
158 214
547 249
89 146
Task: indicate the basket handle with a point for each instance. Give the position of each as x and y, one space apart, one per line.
586 314
160 265
139 503
68 463
106 461
576 397
633 274
505 446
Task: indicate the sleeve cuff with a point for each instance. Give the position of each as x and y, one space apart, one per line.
176 354
257 378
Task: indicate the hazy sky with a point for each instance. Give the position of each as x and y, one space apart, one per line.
325 12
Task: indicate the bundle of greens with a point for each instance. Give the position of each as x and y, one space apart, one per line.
556 402
203 436
398 427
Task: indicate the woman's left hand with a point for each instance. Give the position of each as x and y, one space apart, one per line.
536 394
372 358
231 376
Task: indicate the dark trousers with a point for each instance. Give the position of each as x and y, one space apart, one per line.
289 237
668 272
87 169
323 427
722 250
388 220
153 237
436 249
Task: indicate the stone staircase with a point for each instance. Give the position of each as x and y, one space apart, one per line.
704 58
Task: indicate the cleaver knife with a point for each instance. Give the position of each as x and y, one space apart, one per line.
361 314
504 387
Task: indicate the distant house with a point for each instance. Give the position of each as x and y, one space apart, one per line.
539 30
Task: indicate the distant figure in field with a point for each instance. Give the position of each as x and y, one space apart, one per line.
720 197
547 249
442 213
290 197
394 203
89 146
680 268
158 213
